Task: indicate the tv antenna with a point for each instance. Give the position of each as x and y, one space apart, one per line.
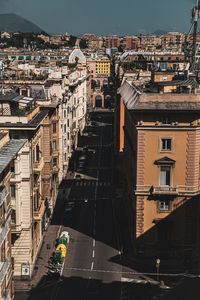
192 50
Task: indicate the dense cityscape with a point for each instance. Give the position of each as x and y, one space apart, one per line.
100 165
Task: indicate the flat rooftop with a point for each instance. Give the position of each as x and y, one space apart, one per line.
135 99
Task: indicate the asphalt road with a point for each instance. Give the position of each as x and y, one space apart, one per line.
89 272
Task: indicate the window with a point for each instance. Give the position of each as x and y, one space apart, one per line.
64 113
12 166
165 175
164 205
12 191
67 122
13 217
65 128
65 142
65 156
54 127
68 135
50 148
54 162
37 153
166 144
54 145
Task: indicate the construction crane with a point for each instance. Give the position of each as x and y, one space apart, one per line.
192 51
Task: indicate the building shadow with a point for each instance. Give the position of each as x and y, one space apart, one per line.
77 288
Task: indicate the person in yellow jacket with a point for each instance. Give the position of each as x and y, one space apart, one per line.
63 249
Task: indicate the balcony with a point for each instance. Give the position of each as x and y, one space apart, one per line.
3 232
38 213
37 166
15 228
164 190
4 266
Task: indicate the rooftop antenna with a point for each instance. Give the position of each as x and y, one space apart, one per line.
190 49
194 19
2 69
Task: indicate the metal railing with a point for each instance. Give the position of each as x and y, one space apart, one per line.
165 189
179 189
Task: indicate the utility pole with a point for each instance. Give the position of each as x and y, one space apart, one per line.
2 76
190 49
195 17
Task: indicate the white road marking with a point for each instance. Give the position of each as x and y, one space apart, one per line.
94 243
93 253
92 266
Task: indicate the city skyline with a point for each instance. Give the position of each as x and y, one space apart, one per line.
76 17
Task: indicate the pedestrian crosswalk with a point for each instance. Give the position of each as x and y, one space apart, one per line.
89 183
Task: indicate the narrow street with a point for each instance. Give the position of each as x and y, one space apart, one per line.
88 271
93 267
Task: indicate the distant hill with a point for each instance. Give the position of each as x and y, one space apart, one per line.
159 32
15 23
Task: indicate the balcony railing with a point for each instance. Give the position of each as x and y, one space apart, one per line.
4 194
165 190
38 213
37 166
4 231
4 266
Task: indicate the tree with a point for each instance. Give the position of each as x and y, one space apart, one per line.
83 44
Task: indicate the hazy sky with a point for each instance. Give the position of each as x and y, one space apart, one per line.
103 16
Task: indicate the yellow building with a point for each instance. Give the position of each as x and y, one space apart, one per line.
103 67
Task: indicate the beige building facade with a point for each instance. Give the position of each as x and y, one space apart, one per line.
162 167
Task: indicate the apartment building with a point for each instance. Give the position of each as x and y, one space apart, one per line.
159 139
73 111
131 43
112 41
8 151
103 67
39 126
172 41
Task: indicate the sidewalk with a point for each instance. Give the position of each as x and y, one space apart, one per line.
52 233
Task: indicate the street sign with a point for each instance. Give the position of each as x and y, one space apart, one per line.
25 269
